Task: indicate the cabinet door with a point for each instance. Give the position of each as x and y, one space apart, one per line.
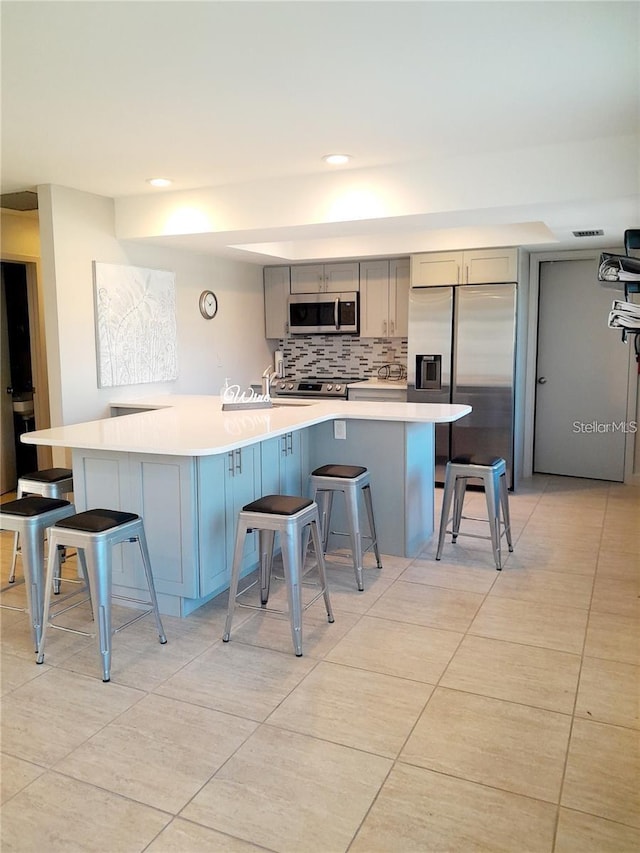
212 547
341 277
374 299
490 266
399 298
307 278
276 291
242 485
291 465
436 268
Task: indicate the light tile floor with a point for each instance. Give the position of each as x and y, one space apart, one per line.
448 708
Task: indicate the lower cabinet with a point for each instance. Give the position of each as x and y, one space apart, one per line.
282 464
226 483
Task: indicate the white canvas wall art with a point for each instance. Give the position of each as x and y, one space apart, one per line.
135 325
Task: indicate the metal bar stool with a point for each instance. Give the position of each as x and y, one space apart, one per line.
94 533
48 483
290 516
493 473
350 480
30 517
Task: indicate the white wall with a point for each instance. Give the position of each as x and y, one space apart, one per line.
78 228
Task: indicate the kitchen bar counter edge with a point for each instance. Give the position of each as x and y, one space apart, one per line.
196 426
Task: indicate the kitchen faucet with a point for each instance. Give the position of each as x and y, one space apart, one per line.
268 375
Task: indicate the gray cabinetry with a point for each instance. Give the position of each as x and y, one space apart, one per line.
475 266
283 464
276 291
325 278
384 298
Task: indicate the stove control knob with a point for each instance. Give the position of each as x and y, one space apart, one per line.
290 386
329 387
338 387
283 385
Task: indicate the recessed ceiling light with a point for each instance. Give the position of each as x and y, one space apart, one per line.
336 159
159 182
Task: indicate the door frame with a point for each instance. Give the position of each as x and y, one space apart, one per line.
632 442
40 377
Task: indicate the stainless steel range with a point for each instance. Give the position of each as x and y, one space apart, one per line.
312 388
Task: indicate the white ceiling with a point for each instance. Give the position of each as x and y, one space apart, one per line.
100 96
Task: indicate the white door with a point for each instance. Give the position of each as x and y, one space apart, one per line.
582 367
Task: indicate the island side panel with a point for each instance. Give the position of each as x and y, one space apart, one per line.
419 486
162 490
400 459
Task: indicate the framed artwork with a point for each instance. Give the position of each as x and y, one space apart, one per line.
136 336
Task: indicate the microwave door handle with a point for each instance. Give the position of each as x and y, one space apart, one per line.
336 312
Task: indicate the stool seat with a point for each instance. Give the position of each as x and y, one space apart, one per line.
346 471
97 520
48 475
93 533
278 504
484 461
292 517
28 507
350 480
48 483
492 470
29 518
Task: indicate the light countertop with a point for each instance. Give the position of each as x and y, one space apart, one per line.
181 425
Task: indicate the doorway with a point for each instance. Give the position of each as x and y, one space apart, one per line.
17 391
581 379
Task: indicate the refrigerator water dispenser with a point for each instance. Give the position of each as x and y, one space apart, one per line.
429 372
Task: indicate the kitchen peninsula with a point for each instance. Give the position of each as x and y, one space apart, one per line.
187 468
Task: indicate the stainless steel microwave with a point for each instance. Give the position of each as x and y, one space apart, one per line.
323 313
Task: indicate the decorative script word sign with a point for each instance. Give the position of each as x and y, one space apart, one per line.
233 398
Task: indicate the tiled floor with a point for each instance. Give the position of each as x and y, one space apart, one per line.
448 708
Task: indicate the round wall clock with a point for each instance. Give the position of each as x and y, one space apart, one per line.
208 304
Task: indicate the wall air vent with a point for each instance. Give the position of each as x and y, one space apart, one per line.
596 232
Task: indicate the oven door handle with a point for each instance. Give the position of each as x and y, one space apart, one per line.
336 312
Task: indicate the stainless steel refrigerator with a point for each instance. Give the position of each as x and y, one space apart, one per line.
461 349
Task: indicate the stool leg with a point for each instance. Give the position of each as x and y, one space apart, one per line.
325 505
459 491
493 512
14 558
366 491
235 577
33 569
48 588
99 572
504 500
267 538
146 561
447 497
292 572
322 570
351 501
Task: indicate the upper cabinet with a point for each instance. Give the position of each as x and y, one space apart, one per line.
276 291
384 298
325 278
476 266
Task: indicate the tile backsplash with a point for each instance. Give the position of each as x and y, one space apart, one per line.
340 356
